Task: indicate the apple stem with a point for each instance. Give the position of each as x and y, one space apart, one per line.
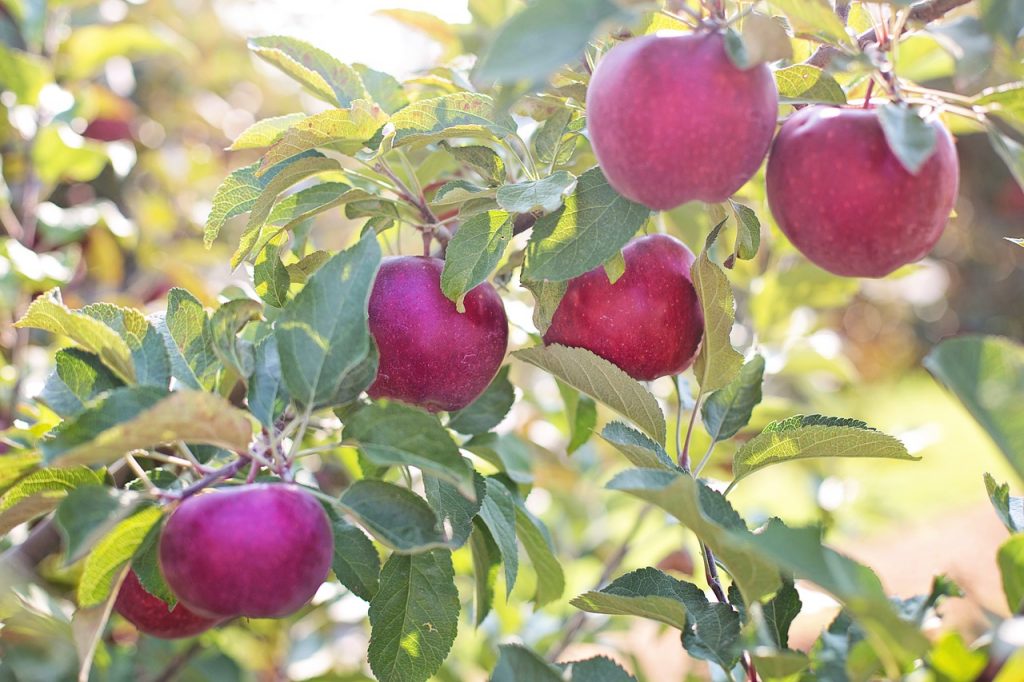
715 583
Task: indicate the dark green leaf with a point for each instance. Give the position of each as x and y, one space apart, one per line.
79 378
507 452
748 231
146 564
414 616
88 513
597 669
483 160
455 512
581 413
395 516
473 253
550 578
267 396
188 338
498 514
392 434
225 324
486 560
1004 18
516 663
382 88
780 612
356 562
149 356
270 276
647 593
487 411
728 409
322 334
546 296
638 448
594 225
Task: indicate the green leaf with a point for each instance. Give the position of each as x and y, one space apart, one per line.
602 381
801 552
487 411
460 114
807 436
24 73
286 174
15 465
779 663
507 452
542 38
88 513
344 130
910 137
550 578
104 563
987 374
356 563
142 418
270 276
392 434
40 492
382 88
748 231
816 18
455 512
84 52
414 617
322 334
780 612
597 669
49 313
762 39
188 338
711 518
473 253
1004 18
395 516
581 413
498 514
486 559
594 225
267 396
300 206
1010 558
546 296
1009 508
728 409
79 378
546 194
225 324
235 196
806 84
717 361
555 139
516 663
483 160
146 564
966 41
266 132
647 593
1010 151
712 630
314 69
638 448
149 355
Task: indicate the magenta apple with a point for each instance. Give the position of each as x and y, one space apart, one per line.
257 550
153 617
431 355
672 119
843 198
649 322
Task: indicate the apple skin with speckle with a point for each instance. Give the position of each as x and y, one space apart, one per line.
649 322
844 200
152 616
672 119
431 355
260 550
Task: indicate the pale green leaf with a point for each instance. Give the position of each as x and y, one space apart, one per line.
344 130
805 84
111 553
265 132
910 137
473 253
717 362
546 194
461 114
314 69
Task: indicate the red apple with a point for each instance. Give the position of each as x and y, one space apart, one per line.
153 617
255 550
672 119
846 202
431 355
649 322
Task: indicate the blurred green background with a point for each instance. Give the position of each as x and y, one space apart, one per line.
116 119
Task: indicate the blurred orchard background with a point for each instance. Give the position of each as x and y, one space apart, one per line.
116 116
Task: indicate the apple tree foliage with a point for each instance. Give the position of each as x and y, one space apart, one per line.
487 163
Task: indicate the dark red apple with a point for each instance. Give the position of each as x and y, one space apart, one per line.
672 119
431 355
649 322
846 202
257 550
152 616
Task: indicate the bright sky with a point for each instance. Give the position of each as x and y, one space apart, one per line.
347 29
